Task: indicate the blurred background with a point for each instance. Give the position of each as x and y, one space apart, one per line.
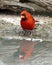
9 32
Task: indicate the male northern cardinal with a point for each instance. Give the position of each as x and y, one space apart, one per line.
27 21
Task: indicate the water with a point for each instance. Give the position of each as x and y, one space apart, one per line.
9 52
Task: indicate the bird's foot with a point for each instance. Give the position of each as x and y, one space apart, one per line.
25 33
21 33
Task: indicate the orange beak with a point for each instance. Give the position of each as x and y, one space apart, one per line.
22 17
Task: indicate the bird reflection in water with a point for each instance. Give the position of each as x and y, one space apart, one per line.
26 49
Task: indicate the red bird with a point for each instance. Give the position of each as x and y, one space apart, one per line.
27 21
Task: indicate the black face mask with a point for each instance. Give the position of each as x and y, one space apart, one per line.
24 17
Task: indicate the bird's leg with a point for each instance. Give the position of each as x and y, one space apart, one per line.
27 32
24 32
21 32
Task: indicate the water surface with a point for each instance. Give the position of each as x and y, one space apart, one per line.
9 52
